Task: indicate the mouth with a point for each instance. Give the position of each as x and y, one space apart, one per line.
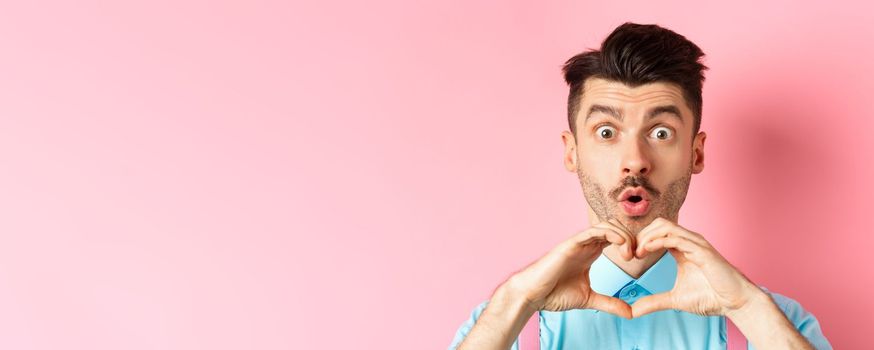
635 201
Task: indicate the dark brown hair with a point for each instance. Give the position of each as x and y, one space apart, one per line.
637 54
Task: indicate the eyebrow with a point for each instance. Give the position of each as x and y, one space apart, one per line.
652 113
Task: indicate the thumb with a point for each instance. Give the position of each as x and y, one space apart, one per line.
611 305
651 303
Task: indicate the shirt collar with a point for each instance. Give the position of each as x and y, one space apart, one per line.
608 279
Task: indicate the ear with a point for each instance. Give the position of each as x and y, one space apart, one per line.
698 153
570 151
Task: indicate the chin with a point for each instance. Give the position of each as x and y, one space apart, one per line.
637 223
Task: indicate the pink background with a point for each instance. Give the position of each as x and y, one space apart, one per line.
265 175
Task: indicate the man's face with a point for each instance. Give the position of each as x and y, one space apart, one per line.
634 151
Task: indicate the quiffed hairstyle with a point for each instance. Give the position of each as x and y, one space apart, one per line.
637 54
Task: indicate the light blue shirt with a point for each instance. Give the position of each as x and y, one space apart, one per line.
666 329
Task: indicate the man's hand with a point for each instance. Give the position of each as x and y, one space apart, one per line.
559 280
706 284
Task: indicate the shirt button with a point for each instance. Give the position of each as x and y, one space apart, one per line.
633 293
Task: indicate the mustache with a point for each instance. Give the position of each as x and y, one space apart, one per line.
635 181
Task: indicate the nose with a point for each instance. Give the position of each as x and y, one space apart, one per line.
635 159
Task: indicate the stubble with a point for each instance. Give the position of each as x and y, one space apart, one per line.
663 204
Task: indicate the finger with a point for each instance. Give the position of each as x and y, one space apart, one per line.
666 229
651 303
626 237
593 236
609 304
660 224
599 233
619 224
655 229
570 253
574 254
689 249
641 250
615 225
627 248
696 237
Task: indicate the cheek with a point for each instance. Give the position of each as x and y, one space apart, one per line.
600 165
673 163
593 153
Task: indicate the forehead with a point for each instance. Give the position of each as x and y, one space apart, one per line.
598 91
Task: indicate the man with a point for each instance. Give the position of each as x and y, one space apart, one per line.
636 279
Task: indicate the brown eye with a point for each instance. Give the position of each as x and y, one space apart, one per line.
662 133
605 132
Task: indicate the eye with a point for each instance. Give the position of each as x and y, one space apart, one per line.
605 132
662 133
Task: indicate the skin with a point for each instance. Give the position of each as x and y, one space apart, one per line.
661 154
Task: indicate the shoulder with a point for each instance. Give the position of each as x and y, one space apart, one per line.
468 324
805 322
